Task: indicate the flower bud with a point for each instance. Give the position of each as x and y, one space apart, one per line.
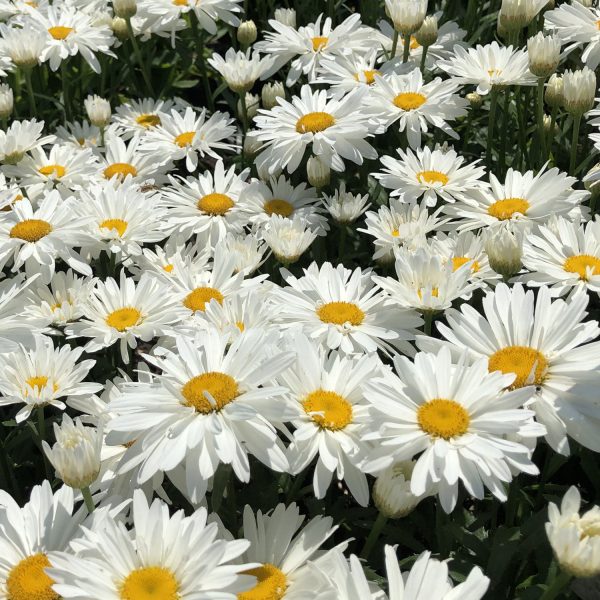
428 33
547 123
247 33
554 91
125 8
544 54
286 16
98 110
579 90
516 14
407 15
252 105
345 207
251 145
586 3
119 27
288 238
270 92
6 101
318 173
391 491
592 180
504 250
475 100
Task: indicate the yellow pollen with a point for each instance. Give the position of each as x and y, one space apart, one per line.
150 583
271 584
117 224
506 209
31 230
328 410
197 299
459 261
443 418
520 360
434 292
124 318
368 76
318 43
494 72
59 32
409 100
432 177
121 170
56 171
185 139
148 120
395 233
581 264
314 122
240 325
168 268
340 313
222 387
39 381
180 2
215 204
591 529
28 581
276 206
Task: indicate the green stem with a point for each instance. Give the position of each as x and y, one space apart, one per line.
490 131
374 535
139 58
504 136
540 118
244 115
552 130
406 53
423 58
87 498
65 90
574 141
41 431
561 581
342 246
394 44
30 96
427 326
331 9
199 39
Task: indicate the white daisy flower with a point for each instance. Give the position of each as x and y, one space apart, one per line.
20 47
345 207
136 117
79 135
415 105
288 238
212 404
456 418
21 137
546 345
334 129
248 251
240 70
435 175
343 309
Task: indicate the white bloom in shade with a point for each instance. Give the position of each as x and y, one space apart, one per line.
44 376
575 538
21 137
318 172
36 239
21 46
335 130
504 248
168 557
489 66
344 206
214 402
433 174
391 490
270 92
579 90
240 70
125 311
76 453
456 418
415 105
577 25
546 344
544 54
6 100
98 110
407 15
289 239
286 553
343 309
428 579
426 282
517 14
286 16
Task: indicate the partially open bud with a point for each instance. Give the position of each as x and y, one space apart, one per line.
428 33
407 15
286 16
247 33
270 92
544 54
391 491
579 90
252 105
6 101
318 173
98 110
554 91
504 250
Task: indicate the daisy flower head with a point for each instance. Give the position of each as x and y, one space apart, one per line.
214 402
22 137
287 553
432 174
288 238
456 418
20 47
44 376
78 135
344 206
416 105
335 130
35 239
545 344
343 309
240 69
523 199
489 66
124 312
428 578
136 117
248 251
189 136
166 556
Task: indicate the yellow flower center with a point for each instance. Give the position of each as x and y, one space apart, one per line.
459 261
185 139
31 230
56 171
314 122
180 2
368 76
443 418
271 584
150 583
118 224
328 410
59 32
432 177
409 100
197 299
39 382
395 233
435 292
148 120
581 264
240 325
222 387
124 318
340 313
276 206
520 360
494 72
318 43
215 204
121 170
28 581
505 209
168 268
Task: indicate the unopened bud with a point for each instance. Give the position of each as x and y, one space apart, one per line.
544 54
391 491
247 33
119 27
6 100
318 173
124 8
475 100
98 110
270 92
504 251
428 33
554 91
